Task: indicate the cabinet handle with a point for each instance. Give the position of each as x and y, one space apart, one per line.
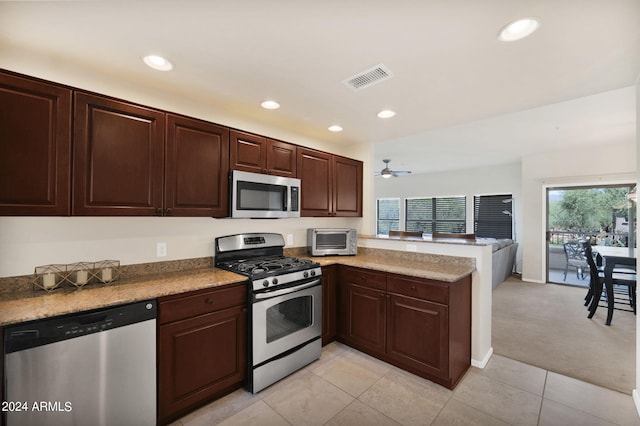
158 212
382 295
208 301
363 278
413 288
169 212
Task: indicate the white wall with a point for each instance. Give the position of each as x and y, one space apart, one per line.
502 179
636 396
599 165
27 242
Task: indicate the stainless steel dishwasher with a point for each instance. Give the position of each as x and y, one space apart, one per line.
91 368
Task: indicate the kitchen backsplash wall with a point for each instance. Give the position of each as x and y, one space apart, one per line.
27 242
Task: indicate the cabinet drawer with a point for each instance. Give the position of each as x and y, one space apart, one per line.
421 289
173 308
372 279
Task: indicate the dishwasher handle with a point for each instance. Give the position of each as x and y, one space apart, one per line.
50 330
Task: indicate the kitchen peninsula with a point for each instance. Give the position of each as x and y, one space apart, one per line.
439 283
486 255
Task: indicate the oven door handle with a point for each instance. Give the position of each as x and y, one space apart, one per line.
269 295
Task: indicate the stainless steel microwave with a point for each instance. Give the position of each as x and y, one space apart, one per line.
332 241
255 195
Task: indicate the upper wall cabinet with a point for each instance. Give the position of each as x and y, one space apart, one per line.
197 168
35 147
331 184
254 153
118 158
120 166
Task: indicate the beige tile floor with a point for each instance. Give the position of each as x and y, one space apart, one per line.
347 387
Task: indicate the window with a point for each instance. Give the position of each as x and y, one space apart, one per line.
441 214
388 213
493 216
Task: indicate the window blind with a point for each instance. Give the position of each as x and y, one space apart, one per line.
492 216
441 214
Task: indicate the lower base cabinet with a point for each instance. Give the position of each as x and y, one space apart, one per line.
201 348
329 304
420 325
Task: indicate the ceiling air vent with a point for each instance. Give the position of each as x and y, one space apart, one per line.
369 77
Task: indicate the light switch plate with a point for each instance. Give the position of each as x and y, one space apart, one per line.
289 239
161 250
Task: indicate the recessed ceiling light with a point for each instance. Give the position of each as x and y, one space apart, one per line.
335 128
158 63
386 113
519 29
270 105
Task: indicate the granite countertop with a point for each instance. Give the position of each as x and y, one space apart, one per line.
429 239
420 269
29 304
36 304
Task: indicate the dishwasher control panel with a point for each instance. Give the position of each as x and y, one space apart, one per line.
40 332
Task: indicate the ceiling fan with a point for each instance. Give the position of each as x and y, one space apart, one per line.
387 172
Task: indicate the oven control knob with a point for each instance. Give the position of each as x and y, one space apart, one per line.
265 283
305 274
274 281
313 273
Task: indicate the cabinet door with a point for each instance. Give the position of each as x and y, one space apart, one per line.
418 334
248 152
197 168
347 189
364 318
281 158
329 304
118 158
315 172
35 147
200 359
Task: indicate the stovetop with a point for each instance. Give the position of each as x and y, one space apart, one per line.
267 266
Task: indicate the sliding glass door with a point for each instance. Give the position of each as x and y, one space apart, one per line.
603 214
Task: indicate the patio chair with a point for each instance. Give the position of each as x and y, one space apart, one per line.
575 258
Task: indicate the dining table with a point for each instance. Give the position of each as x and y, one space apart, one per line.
618 270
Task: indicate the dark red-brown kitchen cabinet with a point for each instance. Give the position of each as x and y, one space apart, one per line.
197 168
35 147
258 154
118 160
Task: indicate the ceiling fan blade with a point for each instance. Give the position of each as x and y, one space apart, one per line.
402 172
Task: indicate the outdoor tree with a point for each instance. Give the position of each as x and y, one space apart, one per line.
592 209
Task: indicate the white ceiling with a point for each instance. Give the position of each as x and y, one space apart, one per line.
462 97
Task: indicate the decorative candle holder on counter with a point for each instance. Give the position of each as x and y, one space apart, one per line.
80 274
107 271
50 277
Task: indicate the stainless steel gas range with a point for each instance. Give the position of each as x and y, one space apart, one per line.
285 305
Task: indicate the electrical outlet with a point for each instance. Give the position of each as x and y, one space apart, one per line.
289 239
161 250
412 247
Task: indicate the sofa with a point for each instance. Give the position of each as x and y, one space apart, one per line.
503 259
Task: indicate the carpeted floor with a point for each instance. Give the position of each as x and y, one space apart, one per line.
546 325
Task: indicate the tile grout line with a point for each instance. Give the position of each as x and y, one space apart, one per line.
544 389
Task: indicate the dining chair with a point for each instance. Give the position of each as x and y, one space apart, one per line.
405 234
618 276
451 235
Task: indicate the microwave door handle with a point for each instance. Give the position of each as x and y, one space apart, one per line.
286 198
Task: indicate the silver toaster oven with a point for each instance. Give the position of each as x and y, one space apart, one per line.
332 241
